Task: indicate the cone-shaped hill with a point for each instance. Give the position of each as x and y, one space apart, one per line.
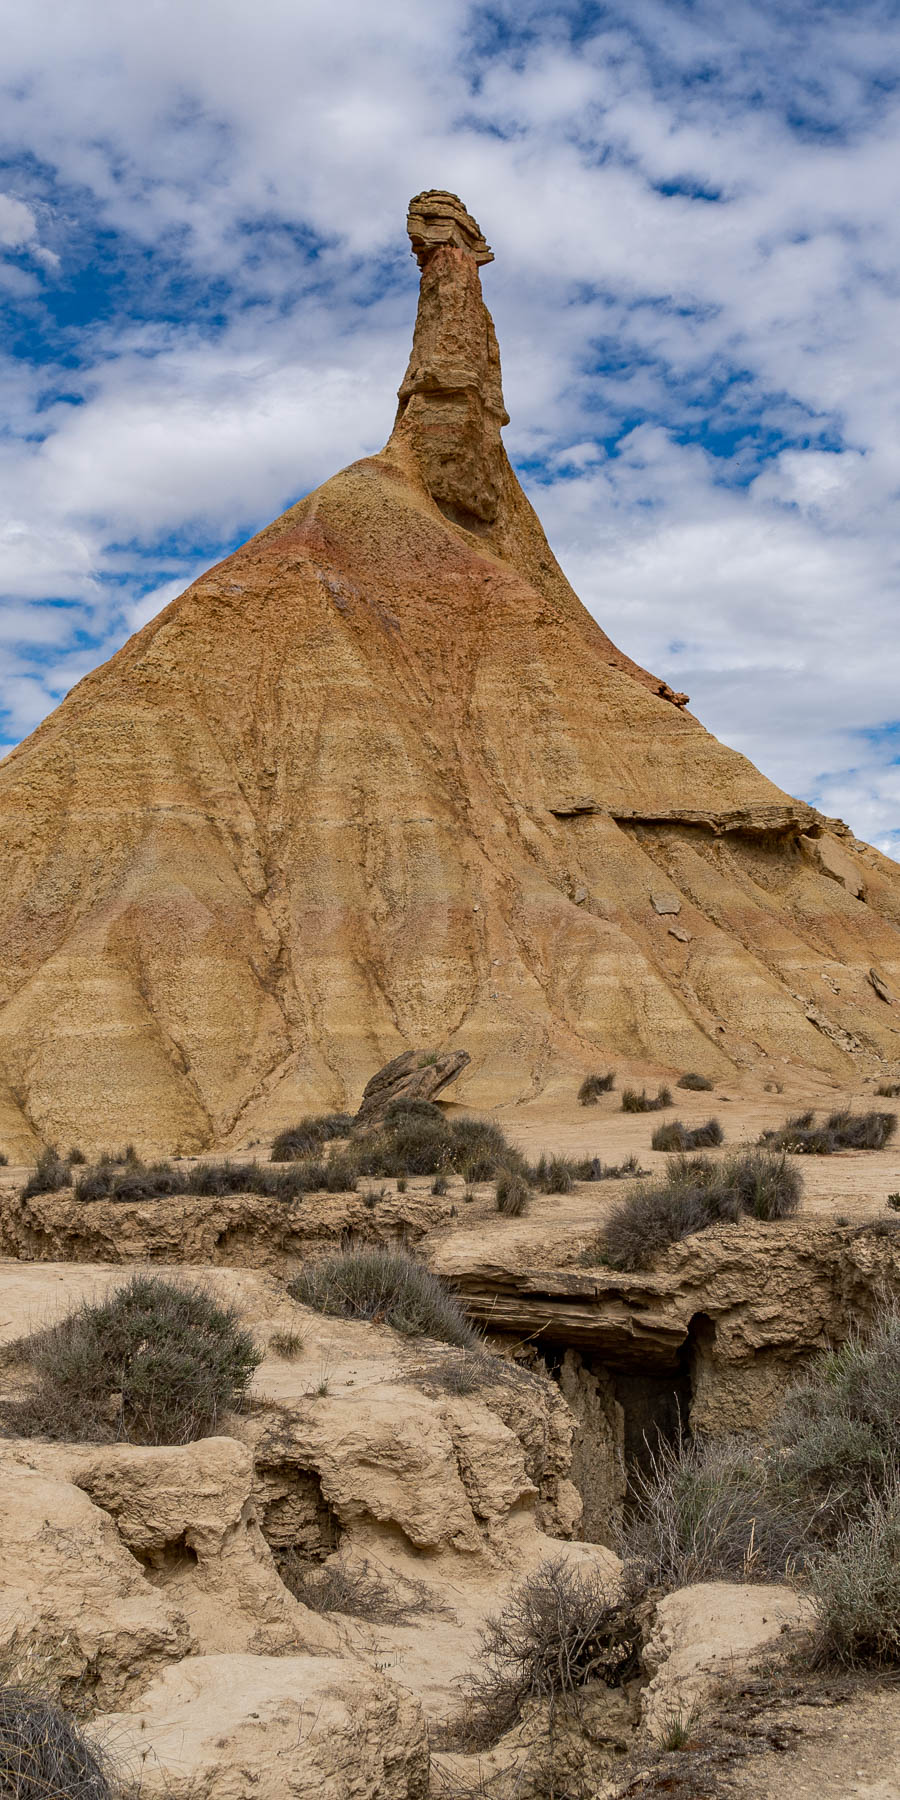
378 780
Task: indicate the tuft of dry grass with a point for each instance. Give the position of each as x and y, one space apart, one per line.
634 1102
595 1085
841 1130
676 1136
339 1586
43 1754
513 1194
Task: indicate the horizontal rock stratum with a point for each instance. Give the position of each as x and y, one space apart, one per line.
377 780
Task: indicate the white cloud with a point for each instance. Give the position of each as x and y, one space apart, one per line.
761 327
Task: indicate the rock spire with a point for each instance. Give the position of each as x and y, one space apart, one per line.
451 398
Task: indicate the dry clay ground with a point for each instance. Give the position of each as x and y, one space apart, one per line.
819 1742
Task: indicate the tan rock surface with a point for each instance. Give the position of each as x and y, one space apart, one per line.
70 1593
379 780
231 1727
713 1629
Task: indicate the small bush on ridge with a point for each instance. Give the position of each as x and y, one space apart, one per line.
694 1193
388 1286
676 1136
154 1363
642 1102
697 1084
51 1174
309 1135
595 1085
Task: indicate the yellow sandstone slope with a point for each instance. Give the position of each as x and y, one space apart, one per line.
379 780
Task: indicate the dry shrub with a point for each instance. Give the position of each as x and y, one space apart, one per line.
856 1587
642 1102
555 1174
836 1433
595 1085
155 1363
677 1136
888 1090
388 1287
51 1174
43 1754
842 1130
288 1344
340 1586
694 1193
563 1627
696 1084
513 1194
590 1168
304 1139
467 1371
415 1138
703 1511
138 1181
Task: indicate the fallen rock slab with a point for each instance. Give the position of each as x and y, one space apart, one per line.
415 1075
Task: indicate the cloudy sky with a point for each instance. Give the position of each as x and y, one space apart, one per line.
208 298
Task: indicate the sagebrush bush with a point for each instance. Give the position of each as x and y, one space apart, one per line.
642 1102
705 1510
563 1627
693 1194
676 1136
157 1362
841 1130
856 1586
385 1285
697 1084
305 1138
44 1755
595 1085
513 1194
837 1430
51 1174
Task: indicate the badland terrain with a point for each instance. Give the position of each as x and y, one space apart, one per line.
450 1215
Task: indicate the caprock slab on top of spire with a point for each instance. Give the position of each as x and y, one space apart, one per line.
436 217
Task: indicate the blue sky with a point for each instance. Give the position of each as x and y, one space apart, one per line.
208 301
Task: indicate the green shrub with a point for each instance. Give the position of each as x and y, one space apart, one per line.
837 1430
642 1102
43 1754
415 1138
155 1363
694 1193
697 1084
305 1139
513 1195
562 1627
703 1510
595 1085
856 1586
51 1174
842 1130
676 1136
388 1286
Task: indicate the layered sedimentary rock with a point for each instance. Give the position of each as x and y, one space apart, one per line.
379 780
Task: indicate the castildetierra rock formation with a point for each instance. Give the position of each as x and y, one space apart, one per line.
378 780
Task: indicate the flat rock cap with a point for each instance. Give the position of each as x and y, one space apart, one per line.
436 217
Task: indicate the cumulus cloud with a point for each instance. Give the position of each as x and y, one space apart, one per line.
694 212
